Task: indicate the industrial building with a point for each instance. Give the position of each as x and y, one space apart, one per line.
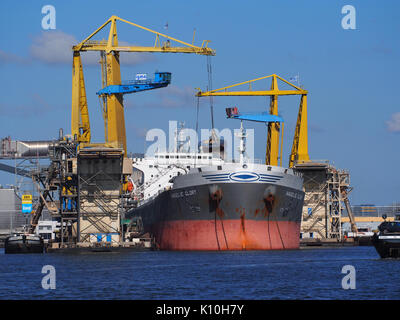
11 217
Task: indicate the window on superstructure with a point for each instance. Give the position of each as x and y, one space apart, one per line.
162 157
198 157
166 157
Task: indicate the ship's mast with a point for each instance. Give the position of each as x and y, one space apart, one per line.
242 147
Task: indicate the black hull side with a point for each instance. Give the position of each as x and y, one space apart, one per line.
386 248
26 246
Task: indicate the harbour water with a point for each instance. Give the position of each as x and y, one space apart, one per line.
313 273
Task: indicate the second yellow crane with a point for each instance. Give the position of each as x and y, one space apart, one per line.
299 151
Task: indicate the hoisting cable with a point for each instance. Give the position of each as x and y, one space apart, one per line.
209 73
197 130
197 116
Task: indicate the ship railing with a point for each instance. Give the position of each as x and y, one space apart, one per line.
248 160
149 184
133 82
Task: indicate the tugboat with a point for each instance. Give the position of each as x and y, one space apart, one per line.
387 240
23 243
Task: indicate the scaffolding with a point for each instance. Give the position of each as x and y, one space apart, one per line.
24 159
323 202
99 202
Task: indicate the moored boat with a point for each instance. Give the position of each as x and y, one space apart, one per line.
23 243
198 201
387 240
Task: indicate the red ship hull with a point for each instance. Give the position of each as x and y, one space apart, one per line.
227 235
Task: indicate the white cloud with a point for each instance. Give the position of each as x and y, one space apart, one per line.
55 47
7 58
173 97
393 125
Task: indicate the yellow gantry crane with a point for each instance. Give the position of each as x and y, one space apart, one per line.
300 142
113 112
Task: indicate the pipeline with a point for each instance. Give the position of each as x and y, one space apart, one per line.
24 149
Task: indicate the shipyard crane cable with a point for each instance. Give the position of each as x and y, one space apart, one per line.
197 129
197 115
209 88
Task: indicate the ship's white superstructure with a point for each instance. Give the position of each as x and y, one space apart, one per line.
155 174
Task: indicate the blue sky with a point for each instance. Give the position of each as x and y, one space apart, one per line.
351 75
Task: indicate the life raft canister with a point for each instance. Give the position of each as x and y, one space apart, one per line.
130 186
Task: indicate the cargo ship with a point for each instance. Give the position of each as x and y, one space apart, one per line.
199 201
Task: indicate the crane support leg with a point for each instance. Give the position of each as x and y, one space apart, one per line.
300 140
115 117
80 126
272 152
